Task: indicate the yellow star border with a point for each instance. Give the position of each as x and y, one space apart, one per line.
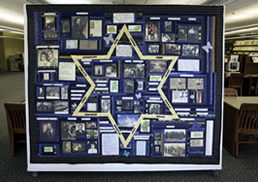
77 112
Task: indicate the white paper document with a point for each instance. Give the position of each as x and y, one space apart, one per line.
188 65
123 17
110 144
141 148
209 137
124 50
67 71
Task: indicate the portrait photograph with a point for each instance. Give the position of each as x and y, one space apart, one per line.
41 93
98 70
129 86
68 130
65 24
168 26
190 50
80 130
50 23
92 147
134 70
78 147
67 147
173 49
47 131
44 106
158 66
168 37
47 58
174 149
152 31
140 85
105 105
182 32
64 93
52 93
79 26
127 105
91 124
174 135
110 70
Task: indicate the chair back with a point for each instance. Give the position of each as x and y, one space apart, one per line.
230 92
236 80
248 119
15 113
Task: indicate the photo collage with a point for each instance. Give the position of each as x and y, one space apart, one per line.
101 89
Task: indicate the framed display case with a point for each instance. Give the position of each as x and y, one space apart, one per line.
124 87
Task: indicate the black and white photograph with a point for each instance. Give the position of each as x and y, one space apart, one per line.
140 85
61 107
110 70
154 108
95 28
92 147
78 147
182 32
92 134
44 106
80 130
129 86
71 44
47 58
158 66
47 131
174 135
179 96
152 31
67 145
118 102
52 92
79 27
174 149
91 124
173 49
105 105
168 26
178 83
190 50
194 33
50 23
118 108
98 69
153 49
136 109
134 70
41 93
68 130
168 37
65 24
157 149
127 105
50 35
195 84
64 93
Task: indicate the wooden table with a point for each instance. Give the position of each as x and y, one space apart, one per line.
231 112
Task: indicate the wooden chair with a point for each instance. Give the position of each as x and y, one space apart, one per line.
247 126
236 81
15 115
230 92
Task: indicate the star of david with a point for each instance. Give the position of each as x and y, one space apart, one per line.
77 112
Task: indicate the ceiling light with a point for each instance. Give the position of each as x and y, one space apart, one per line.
242 31
7 15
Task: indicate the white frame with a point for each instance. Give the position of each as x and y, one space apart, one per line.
111 167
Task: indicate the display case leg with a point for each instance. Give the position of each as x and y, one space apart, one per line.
35 174
215 173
